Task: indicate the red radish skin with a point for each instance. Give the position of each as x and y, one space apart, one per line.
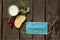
10 23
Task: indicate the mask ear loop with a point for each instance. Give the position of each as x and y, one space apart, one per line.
23 32
48 24
53 25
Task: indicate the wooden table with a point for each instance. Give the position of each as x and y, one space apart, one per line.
41 11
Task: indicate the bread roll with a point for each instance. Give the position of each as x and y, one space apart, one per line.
19 20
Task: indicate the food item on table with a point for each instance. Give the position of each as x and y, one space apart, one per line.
10 23
13 10
25 11
19 20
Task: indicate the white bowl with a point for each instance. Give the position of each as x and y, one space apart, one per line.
13 10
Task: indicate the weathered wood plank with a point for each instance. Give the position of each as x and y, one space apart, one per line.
51 17
0 16
38 15
8 33
29 18
57 29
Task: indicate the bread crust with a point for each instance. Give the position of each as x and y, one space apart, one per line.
19 20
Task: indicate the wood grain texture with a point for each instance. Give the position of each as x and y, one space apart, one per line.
8 33
38 15
58 28
52 18
0 20
0 16
24 36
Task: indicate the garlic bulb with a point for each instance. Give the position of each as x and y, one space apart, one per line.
28 10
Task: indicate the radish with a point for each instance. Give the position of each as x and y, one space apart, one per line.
10 23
